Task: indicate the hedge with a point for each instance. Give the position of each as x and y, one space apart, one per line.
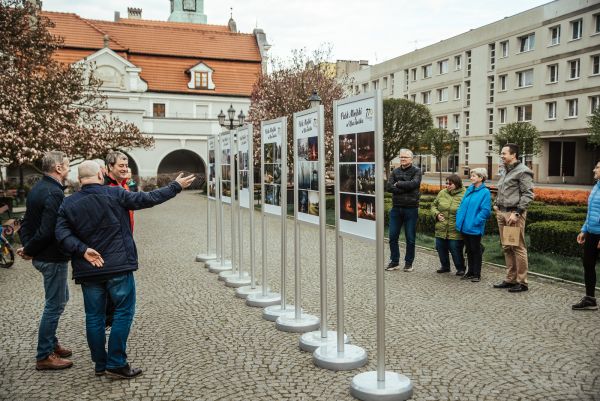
557 237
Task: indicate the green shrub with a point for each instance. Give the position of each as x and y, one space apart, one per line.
555 237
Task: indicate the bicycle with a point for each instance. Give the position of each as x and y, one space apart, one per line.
7 252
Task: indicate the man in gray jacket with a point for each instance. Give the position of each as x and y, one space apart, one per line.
515 193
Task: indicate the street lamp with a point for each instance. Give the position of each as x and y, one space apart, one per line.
231 116
314 100
455 138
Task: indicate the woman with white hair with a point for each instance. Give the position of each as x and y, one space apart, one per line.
471 216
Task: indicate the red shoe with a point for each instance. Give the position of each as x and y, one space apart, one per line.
62 351
53 362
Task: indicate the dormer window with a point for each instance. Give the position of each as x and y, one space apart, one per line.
201 77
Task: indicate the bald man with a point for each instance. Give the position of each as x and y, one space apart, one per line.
93 225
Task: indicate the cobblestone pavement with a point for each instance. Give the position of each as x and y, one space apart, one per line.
455 340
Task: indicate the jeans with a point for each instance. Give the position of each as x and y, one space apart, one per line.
121 289
455 247
57 296
400 216
590 256
474 254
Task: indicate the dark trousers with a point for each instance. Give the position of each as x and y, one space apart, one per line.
473 248
590 256
407 217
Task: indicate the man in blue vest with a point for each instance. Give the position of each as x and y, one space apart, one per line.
93 225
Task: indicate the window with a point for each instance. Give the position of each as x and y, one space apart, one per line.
457 63
554 35
551 110
443 122
572 107
466 147
468 54
596 64
467 123
375 85
492 54
456 92
468 86
502 116
385 83
456 121
490 121
525 78
574 69
158 110
442 95
443 67
504 49
527 42
426 97
392 84
553 73
523 112
597 23
426 71
201 80
503 81
414 74
413 97
365 88
576 29
491 85
594 103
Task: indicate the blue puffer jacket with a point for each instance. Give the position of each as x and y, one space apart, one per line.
592 220
474 210
97 217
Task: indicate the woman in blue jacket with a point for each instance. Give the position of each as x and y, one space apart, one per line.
471 216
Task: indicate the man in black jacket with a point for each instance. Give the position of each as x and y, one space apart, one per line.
404 183
93 225
37 236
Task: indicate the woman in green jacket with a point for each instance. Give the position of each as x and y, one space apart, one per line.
447 239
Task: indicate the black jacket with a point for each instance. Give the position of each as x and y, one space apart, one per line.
37 230
97 217
404 184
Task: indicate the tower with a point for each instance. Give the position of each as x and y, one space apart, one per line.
187 11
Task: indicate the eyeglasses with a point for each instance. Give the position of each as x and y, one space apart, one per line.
405 157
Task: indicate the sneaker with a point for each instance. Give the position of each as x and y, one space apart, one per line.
392 266
53 362
460 272
586 303
408 268
442 270
467 276
476 279
125 372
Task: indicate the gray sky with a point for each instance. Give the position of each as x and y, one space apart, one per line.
375 30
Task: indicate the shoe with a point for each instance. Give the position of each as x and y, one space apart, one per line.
518 288
53 362
586 303
125 372
475 279
408 268
392 266
467 276
460 272
505 284
62 351
99 372
442 270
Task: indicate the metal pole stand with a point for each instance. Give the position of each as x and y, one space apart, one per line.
261 300
292 324
365 386
238 281
309 342
272 313
217 266
348 358
205 257
243 292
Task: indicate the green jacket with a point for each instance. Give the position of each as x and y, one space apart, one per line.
447 203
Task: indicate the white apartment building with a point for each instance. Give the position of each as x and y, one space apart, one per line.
540 66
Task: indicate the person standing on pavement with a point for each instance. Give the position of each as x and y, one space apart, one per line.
515 193
473 212
589 237
404 183
447 237
93 226
40 246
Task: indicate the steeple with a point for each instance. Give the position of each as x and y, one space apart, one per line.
188 11
231 24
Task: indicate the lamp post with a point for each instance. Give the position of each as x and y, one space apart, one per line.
455 137
314 100
230 117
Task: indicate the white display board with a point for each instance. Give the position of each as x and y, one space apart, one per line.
355 137
212 176
244 142
274 166
226 166
307 134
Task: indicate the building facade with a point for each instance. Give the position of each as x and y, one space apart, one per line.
540 66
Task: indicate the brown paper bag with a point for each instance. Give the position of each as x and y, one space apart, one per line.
510 235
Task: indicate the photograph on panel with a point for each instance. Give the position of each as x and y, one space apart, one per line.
313 203
269 150
314 176
277 173
303 201
226 172
303 149
365 142
226 156
268 175
348 207
211 157
268 194
304 171
347 148
276 195
366 207
276 153
347 177
313 148
365 182
211 189
243 156
243 184
226 185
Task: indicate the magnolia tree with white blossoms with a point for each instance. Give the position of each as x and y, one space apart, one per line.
46 105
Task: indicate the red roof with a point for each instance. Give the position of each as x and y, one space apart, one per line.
166 50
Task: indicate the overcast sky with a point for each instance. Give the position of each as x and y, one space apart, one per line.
374 30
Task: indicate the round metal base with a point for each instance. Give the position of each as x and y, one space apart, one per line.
290 324
205 257
328 357
272 313
237 282
218 263
309 342
260 301
246 290
220 267
224 275
366 387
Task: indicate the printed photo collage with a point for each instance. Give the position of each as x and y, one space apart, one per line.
307 169
357 176
272 173
212 179
244 167
226 172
